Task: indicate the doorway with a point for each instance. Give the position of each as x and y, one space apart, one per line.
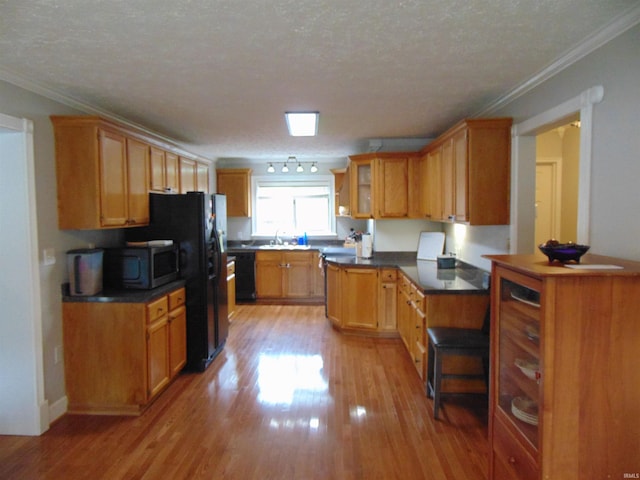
523 185
23 408
556 183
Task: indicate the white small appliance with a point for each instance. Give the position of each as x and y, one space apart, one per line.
367 245
85 271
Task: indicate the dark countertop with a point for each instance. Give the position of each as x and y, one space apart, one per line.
464 279
113 295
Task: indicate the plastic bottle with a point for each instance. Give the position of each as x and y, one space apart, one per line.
305 239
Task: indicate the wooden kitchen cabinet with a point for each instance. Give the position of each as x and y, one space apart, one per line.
104 172
565 374
412 324
473 174
231 288
387 300
165 171
380 184
362 188
334 294
120 356
194 176
137 182
286 274
434 185
360 298
92 171
418 310
342 188
188 175
235 183
177 331
202 177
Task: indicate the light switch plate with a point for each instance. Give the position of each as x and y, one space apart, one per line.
48 256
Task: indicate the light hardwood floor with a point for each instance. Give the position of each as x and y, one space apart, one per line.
288 398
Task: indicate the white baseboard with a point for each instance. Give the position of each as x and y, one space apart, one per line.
58 408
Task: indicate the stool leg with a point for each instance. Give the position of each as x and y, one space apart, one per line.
437 382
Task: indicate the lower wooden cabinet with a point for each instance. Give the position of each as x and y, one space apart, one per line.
231 289
287 275
120 356
362 299
417 311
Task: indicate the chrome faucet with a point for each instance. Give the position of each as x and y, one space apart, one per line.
278 239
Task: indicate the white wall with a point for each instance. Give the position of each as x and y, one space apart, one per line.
20 103
614 220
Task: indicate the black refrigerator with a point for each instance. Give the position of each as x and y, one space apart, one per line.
197 222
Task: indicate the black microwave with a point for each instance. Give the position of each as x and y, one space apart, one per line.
140 267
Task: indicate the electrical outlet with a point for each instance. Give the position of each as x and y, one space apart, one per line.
57 354
48 256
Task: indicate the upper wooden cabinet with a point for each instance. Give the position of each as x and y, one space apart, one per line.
102 176
472 164
362 189
188 175
380 184
104 172
165 172
235 183
342 188
137 182
202 177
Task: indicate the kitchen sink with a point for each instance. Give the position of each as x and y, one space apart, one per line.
284 247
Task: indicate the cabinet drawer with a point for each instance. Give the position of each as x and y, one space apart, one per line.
389 274
510 459
417 297
157 309
231 268
177 298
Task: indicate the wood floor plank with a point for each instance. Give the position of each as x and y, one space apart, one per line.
288 398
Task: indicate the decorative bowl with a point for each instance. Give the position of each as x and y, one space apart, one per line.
564 252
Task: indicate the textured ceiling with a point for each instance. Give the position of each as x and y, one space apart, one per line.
218 75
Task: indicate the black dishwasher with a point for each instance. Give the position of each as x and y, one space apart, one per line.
245 275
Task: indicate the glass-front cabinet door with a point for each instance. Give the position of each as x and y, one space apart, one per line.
519 369
361 171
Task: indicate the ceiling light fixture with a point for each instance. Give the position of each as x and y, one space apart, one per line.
302 124
299 168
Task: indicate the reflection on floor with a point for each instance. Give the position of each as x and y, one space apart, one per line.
288 398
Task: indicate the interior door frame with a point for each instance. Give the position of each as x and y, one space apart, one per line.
523 162
25 411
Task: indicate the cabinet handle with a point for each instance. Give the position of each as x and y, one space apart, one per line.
512 460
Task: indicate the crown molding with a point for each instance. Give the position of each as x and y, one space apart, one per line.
40 89
616 27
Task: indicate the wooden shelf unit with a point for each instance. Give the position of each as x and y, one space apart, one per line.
584 338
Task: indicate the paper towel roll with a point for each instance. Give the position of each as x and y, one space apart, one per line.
367 245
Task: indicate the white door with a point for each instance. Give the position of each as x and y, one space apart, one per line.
547 221
23 408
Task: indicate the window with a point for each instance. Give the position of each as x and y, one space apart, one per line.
294 207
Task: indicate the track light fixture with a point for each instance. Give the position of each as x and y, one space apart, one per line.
299 168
